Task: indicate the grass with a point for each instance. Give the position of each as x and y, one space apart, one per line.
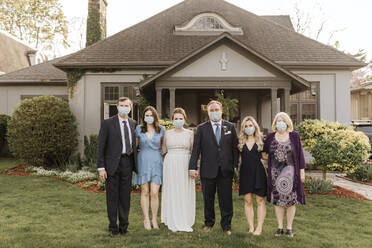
8 163
45 212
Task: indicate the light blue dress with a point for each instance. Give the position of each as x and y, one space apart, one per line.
150 164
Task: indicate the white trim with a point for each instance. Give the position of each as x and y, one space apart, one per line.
188 28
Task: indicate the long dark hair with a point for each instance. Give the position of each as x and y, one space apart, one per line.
156 120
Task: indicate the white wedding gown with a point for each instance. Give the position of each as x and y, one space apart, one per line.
178 190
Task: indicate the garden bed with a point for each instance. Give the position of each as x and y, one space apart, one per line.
92 185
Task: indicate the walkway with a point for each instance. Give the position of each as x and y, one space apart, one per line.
363 189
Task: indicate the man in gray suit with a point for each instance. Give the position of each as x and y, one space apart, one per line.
117 158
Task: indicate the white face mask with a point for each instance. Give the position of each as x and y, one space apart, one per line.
249 130
123 111
281 126
149 119
215 116
178 123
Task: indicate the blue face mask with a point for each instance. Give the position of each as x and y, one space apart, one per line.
249 130
178 123
215 116
123 111
149 119
281 126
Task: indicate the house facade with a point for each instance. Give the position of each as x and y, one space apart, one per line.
186 54
361 102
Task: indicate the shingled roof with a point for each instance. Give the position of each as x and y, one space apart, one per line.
153 43
13 54
45 73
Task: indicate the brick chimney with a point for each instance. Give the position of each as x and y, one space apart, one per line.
100 6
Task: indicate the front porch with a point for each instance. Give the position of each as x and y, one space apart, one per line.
261 103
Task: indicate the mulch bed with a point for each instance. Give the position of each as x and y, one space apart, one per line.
20 171
342 192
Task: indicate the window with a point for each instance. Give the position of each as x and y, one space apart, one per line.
305 105
111 93
207 24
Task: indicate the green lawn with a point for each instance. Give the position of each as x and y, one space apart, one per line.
7 163
45 212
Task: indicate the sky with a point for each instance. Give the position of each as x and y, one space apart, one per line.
350 21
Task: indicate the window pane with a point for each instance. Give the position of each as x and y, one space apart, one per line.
308 111
293 97
111 93
293 113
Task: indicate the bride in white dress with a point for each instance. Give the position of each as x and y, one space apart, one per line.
178 191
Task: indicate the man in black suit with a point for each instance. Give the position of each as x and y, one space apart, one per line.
117 155
216 141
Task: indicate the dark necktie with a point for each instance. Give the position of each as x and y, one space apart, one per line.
128 147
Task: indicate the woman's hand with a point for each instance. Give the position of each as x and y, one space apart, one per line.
302 174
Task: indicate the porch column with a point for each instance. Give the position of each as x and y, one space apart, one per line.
286 100
274 103
158 101
172 100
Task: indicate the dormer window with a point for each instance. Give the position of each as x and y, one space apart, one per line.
207 24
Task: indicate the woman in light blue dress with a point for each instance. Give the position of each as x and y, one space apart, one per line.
150 165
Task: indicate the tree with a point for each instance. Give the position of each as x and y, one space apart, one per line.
40 23
305 22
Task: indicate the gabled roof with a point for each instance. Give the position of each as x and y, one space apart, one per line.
13 53
152 42
301 83
284 20
44 73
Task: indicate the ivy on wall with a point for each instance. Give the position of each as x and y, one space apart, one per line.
73 77
94 32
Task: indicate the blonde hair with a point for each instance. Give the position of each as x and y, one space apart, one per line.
286 119
243 137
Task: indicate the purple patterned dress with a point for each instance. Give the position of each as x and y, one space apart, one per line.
282 174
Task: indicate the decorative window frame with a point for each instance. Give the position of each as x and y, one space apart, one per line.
188 28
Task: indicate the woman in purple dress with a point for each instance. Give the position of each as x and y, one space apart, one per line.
286 170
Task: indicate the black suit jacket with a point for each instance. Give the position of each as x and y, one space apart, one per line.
213 155
110 145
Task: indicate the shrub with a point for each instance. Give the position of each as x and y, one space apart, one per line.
90 151
311 130
167 124
334 146
42 131
318 186
4 119
362 173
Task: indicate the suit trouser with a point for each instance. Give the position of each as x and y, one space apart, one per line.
118 188
224 192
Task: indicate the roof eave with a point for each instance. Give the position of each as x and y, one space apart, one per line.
128 65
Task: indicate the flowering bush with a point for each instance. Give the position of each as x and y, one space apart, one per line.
69 176
167 124
311 130
334 146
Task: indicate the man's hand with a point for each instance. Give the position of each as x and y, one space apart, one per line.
193 174
103 175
